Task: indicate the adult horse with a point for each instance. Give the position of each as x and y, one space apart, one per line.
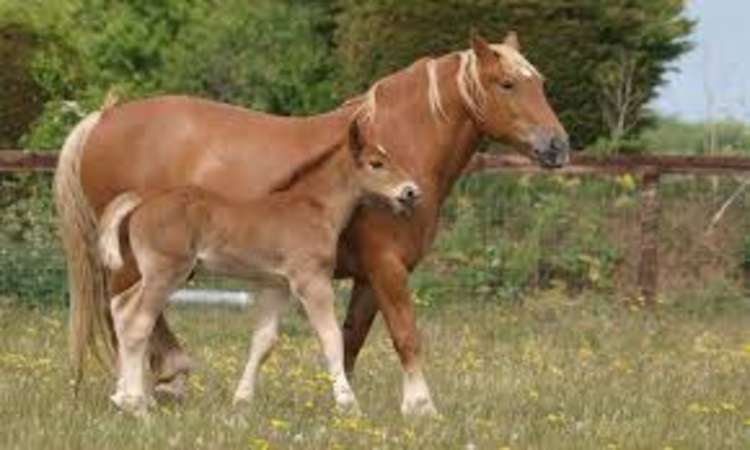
431 117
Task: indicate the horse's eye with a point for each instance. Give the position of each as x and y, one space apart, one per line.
376 164
506 85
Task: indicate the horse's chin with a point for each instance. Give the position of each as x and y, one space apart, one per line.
553 161
550 165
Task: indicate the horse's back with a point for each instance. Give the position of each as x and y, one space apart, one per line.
164 142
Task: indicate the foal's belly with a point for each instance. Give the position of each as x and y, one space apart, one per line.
256 270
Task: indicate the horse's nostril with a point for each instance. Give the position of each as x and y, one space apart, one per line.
559 144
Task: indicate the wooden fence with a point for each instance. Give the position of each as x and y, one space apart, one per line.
649 168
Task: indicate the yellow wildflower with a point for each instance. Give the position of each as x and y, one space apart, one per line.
259 444
279 424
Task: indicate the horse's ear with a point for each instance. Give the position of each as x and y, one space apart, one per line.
481 48
356 144
511 40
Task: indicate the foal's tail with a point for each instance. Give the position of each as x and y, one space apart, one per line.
87 279
109 228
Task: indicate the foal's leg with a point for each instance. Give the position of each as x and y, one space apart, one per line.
317 297
169 361
269 307
133 328
134 317
118 302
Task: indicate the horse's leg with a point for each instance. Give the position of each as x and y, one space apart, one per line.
359 318
268 309
169 361
389 281
317 297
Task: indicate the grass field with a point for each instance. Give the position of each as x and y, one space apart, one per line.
553 373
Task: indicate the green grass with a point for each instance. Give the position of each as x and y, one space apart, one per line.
552 372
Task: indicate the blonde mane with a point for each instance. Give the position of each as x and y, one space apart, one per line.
433 90
470 88
469 85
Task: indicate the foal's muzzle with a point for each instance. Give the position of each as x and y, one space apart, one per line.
408 196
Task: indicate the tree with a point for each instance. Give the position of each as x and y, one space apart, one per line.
294 57
22 100
34 58
270 55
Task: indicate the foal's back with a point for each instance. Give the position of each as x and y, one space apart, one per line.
189 225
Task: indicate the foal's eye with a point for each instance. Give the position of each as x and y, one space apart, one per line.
506 85
376 164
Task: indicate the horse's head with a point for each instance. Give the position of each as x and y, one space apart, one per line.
380 176
507 95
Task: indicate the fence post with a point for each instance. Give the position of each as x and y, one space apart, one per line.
648 268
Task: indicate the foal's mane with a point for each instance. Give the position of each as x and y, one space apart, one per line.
310 166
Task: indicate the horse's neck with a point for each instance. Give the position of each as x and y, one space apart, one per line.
331 186
442 139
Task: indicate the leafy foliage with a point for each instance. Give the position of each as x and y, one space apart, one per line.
32 266
507 236
273 56
21 101
579 45
294 57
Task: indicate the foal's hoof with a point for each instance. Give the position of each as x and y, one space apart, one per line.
419 407
241 400
171 390
349 408
136 406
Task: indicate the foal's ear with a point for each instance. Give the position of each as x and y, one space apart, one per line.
355 142
511 40
481 48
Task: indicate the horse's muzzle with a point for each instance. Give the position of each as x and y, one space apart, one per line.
556 152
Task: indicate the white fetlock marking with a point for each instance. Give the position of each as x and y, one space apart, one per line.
135 405
243 394
343 393
417 399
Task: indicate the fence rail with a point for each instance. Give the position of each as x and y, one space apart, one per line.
581 164
649 168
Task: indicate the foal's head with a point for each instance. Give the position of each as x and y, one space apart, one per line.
510 102
379 176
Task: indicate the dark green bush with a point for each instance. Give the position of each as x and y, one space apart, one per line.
31 262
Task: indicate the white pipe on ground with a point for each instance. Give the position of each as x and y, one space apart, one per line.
211 297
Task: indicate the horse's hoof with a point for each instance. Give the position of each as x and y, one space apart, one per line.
171 390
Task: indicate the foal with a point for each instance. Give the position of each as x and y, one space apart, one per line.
283 244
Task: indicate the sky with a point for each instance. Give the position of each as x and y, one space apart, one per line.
713 80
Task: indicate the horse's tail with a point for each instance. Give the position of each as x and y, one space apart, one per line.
109 228
87 278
